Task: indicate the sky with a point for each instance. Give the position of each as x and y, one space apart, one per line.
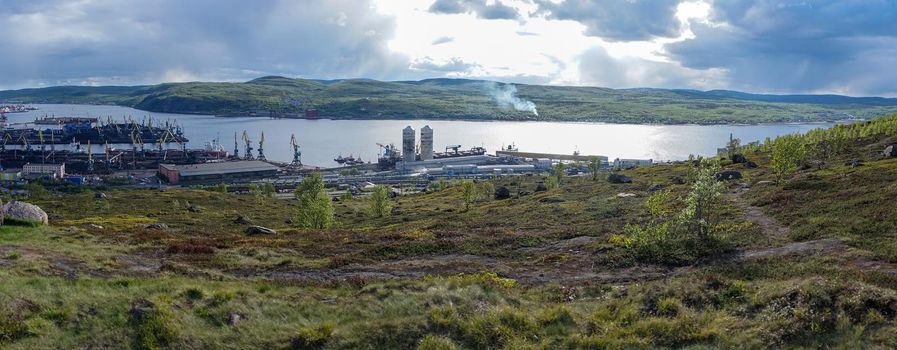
764 46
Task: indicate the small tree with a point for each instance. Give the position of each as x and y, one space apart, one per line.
468 193
559 172
732 146
787 154
315 207
595 167
380 205
486 190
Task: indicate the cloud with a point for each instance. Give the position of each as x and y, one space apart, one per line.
618 20
453 65
443 40
68 42
597 67
481 8
770 46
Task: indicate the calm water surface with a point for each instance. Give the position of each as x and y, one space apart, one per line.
322 140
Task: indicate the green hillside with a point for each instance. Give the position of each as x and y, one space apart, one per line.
464 99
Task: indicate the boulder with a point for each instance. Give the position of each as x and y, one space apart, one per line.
728 174
677 180
157 226
540 187
656 187
750 165
259 230
890 151
242 219
855 163
99 195
625 195
739 158
25 213
194 209
502 193
618 179
94 227
523 193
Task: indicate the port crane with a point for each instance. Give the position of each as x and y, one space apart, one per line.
262 147
297 155
89 158
236 148
248 155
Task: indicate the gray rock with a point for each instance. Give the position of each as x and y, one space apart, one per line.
750 165
540 187
99 195
94 227
619 179
728 174
194 209
890 151
656 187
626 195
26 213
259 230
242 219
157 226
738 158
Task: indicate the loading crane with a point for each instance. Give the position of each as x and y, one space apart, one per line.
297 155
89 158
248 153
262 147
236 148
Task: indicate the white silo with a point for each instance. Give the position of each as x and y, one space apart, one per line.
408 144
426 143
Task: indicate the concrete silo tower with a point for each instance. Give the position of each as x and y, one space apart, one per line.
408 144
426 143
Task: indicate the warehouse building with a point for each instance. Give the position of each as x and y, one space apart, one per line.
210 173
56 171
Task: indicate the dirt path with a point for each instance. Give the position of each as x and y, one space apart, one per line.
769 226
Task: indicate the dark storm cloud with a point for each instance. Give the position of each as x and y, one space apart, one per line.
618 20
825 45
147 41
481 8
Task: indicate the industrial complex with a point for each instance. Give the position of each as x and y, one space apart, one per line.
33 153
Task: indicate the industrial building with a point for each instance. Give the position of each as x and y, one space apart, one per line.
408 145
215 172
631 163
56 171
426 143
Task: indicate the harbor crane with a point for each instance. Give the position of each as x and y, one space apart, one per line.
297 155
236 147
248 153
262 147
89 158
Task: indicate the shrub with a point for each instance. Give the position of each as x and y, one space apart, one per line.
312 337
435 342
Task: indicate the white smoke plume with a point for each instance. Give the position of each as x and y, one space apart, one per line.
505 96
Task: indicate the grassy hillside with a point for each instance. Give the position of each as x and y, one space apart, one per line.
805 258
465 99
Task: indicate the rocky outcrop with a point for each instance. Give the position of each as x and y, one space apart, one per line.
16 212
259 230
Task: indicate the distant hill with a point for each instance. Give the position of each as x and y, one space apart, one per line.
465 99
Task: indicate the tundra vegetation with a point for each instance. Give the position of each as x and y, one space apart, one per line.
809 261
